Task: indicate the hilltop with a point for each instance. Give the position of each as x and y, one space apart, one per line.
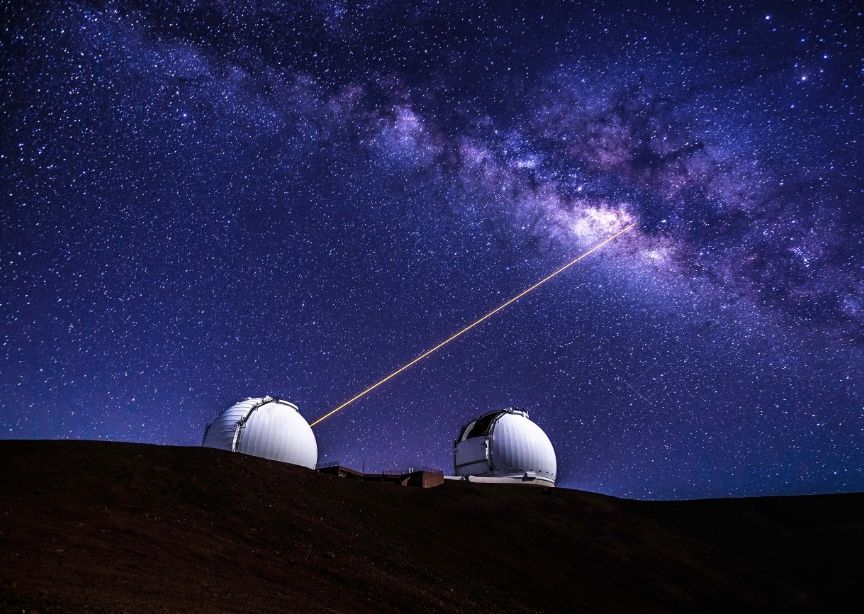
111 526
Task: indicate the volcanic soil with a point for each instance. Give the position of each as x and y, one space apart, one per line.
114 526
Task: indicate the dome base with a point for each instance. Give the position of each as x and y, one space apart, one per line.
521 480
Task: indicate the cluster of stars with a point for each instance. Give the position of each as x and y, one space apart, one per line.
212 201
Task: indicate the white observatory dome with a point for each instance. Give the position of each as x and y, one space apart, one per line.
265 427
505 444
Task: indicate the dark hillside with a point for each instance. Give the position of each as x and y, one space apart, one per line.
109 526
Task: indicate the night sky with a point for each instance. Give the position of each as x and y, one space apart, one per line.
215 200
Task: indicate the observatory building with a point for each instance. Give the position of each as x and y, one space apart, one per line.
505 445
266 427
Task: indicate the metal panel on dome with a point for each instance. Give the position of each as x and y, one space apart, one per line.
519 446
472 454
221 432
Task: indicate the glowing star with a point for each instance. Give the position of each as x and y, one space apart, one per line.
476 322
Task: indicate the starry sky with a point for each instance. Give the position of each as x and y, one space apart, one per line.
203 201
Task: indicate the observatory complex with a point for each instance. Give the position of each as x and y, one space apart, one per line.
267 427
502 446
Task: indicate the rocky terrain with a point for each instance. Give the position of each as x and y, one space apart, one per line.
112 526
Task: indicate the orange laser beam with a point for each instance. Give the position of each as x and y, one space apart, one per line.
476 322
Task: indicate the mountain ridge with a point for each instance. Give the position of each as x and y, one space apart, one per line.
120 526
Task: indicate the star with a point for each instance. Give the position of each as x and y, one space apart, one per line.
210 203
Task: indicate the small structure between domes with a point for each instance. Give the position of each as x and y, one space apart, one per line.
423 477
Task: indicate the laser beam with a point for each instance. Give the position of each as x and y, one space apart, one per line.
476 322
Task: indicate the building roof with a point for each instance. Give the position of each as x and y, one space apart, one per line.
482 426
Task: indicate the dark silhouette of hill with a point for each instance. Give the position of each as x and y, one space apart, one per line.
110 526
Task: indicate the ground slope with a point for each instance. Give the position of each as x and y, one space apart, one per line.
108 526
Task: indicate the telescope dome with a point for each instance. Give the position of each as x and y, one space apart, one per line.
505 444
266 427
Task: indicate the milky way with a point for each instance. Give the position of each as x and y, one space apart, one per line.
211 201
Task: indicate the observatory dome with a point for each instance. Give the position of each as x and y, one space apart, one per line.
504 444
266 427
